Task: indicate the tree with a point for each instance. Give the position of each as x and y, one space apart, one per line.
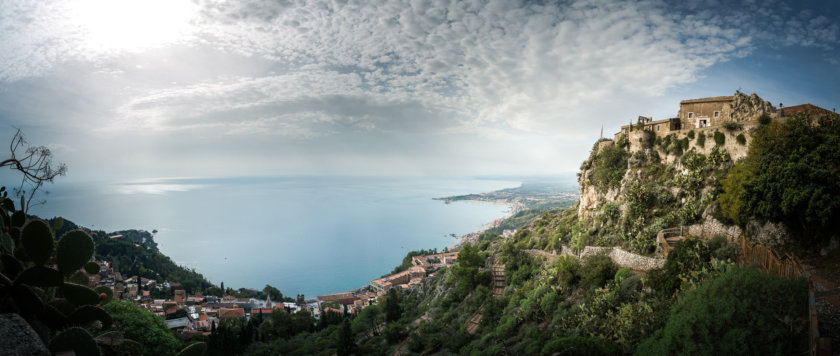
368 320
345 339
36 165
793 177
142 326
393 311
742 311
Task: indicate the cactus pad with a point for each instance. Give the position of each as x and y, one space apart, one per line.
18 218
27 300
92 268
40 276
38 241
109 294
7 245
88 313
79 294
11 266
79 277
74 250
76 339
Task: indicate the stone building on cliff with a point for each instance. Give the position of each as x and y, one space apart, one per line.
706 112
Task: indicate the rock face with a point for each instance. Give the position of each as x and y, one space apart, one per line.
18 338
747 108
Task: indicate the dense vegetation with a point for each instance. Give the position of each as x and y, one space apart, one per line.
791 175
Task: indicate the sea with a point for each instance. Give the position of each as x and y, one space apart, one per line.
303 235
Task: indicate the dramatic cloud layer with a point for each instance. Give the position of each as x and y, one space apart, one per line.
341 81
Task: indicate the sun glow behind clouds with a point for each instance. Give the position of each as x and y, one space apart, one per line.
119 25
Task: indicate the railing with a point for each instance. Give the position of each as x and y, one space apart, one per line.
765 257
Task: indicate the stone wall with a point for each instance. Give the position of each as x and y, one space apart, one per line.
622 258
711 227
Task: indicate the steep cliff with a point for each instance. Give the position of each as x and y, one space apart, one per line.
644 182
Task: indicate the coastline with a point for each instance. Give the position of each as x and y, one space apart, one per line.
472 237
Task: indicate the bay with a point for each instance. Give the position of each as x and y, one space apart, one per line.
310 235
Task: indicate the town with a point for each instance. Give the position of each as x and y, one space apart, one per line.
197 314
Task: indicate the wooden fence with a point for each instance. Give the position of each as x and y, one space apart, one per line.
765 257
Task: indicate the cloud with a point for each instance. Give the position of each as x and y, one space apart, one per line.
360 74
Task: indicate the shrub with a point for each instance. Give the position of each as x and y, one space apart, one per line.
577 345
720 138
567 271
610 165
647 139
764 119
690 135
728 314
732 125
701 139
597 270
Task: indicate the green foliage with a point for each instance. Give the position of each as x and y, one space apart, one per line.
609 167
74 339
74 250
691 255
730 199
701 139
690 135
393 311
597 270
37 240
567 271
720 138
584 346
765 119
793 177
406 262
194 349
732 125
741 139
742 311
466 272
142 326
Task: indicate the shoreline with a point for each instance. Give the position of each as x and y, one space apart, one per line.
472 237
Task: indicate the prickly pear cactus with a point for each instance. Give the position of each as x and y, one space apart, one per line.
76 339
75 249
38 241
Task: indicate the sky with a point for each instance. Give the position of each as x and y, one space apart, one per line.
129 90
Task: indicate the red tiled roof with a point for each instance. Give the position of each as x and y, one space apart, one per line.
333 310
231 313
808 108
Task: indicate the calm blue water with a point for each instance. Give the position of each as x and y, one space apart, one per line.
302 235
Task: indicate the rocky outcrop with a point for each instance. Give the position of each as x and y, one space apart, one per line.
748 108
18 338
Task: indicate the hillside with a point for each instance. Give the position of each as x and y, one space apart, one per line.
549 288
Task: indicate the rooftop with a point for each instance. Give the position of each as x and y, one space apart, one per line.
708 100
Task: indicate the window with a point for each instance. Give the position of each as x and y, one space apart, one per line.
691 115
657 127
717 113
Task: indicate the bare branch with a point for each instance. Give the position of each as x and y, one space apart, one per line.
36 165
